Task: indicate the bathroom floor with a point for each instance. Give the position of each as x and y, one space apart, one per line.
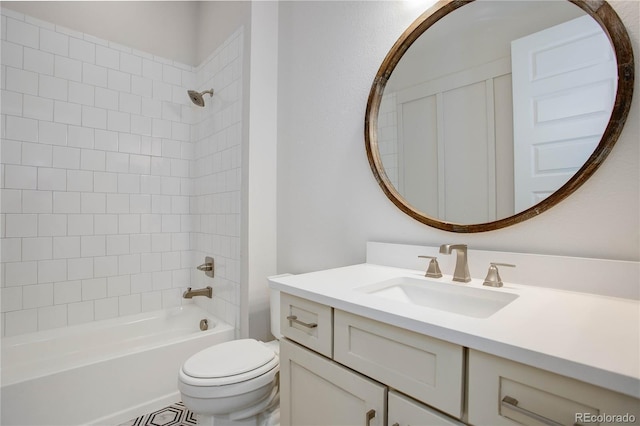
173 415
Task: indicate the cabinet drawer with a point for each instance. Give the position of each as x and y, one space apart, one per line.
307 323
504 392
428 369
403 411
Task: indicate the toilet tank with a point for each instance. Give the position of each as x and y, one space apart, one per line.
274 308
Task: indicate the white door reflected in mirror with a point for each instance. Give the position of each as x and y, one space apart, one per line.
564 86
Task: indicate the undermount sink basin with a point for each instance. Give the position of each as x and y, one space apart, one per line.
458 299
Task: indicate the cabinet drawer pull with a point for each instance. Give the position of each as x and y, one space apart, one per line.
369 416
512 404
295 319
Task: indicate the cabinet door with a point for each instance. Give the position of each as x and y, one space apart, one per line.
317 391
403 411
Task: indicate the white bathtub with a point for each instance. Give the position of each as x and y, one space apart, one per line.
105 372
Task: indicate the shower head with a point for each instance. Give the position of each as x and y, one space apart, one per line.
197 97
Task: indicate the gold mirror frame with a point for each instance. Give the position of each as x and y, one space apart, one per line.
612 26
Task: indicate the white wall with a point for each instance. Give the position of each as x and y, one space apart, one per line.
216 21
184 31
261 214
164 28
329 204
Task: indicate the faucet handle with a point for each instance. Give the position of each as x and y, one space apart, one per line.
433 271
493 276
207 267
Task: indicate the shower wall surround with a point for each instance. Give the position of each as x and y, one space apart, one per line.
114 186
216 178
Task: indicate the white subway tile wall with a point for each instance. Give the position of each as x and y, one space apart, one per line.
114 186
216 132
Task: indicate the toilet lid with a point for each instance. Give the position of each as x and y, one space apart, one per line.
228 359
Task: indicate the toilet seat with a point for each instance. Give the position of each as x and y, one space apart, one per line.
229 363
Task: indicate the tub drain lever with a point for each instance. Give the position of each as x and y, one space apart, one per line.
204 324
207 267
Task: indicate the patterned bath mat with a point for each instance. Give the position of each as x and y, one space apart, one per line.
174 415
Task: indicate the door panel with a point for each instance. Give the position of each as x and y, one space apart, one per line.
316 391
564 84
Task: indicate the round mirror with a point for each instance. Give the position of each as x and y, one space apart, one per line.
487 113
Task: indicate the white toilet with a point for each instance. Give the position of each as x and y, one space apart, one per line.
235 383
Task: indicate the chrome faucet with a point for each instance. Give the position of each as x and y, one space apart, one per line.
207 291
461 272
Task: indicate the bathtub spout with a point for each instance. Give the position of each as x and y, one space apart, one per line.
207 291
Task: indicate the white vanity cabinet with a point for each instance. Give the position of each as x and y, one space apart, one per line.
317 388
504 392
342 369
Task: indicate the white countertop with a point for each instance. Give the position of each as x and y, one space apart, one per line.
592 338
